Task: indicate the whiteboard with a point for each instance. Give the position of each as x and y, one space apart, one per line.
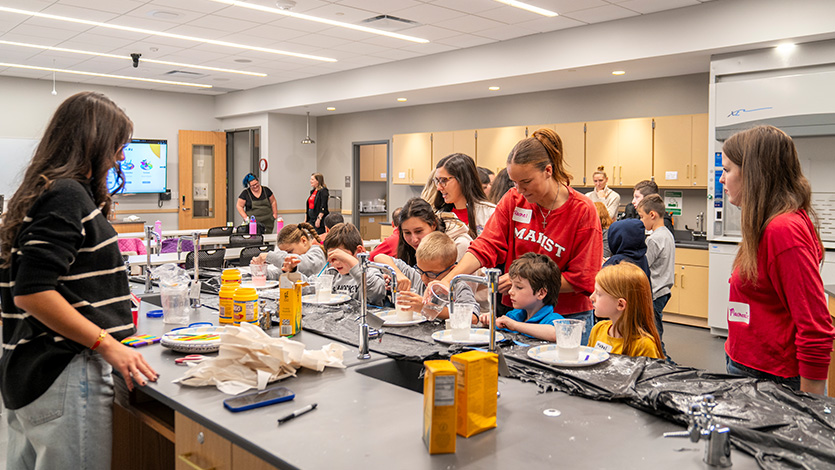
15 155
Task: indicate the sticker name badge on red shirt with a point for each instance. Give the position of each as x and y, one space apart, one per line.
603 346
522 215
739 312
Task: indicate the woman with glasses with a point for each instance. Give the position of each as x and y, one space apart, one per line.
65 298
460 192
542 214
259 201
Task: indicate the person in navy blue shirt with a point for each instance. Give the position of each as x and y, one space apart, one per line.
535 286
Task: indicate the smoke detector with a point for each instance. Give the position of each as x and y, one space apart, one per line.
285 4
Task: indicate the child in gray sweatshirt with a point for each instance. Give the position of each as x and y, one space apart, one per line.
342 245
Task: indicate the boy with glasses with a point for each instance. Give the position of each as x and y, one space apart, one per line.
436 256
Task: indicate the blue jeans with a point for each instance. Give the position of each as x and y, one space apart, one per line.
736 368
588 317
658 308
70 425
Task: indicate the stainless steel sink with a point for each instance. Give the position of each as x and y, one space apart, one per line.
406 374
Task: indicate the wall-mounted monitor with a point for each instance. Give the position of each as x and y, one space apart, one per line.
145 167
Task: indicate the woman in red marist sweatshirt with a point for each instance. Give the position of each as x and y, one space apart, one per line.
542 214
779 327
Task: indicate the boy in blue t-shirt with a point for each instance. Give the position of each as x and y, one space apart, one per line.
535 286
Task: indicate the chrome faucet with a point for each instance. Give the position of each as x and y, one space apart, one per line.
194 295
703 426
149 235
364 328
491 280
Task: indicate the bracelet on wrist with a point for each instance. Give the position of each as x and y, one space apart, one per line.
101 337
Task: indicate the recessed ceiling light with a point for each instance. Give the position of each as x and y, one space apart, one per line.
114 56
163 34
784 48
106 75
317 19
331 108
530 8
494 88
401 99
618 72
243 61
163 14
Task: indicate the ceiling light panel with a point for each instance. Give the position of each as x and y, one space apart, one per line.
85 73
529 7
601 14
428 14
348 14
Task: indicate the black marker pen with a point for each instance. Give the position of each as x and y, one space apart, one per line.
297 413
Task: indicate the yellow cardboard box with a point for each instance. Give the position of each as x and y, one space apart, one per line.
478 382
439 407
290 305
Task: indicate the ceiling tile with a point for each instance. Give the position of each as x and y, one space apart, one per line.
275 33
431 48
302 6
317 40
112 6
467 6
79 13
360 48
566 6
466 40
379 7
503 33
201 6
31 5
397 54
95 43
341 13
469 24
432 33
387 42
146 14
351 34
427 14
652 6
219 23
544 25
249 40
601 14
509 15
300 25
44 32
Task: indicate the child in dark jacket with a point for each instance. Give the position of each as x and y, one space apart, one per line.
627 240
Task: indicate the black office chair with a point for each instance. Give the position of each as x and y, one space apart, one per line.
251 252
240 239
213 258
245 228
220 231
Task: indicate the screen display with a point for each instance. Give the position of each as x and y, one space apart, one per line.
144 166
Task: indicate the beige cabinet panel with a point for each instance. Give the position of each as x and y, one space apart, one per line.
635 151
693 299
602 149
366 163
463 142
196 446
411 158
370 226
443 144
494 145
380 163
573 138
244 460
675 294
673 148
700 154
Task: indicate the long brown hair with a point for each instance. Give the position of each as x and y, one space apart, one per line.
629 282
320 180
415 207
603 214
772 184
542 148
463 169
81 143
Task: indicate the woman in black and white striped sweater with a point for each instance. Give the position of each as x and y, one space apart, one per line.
64 293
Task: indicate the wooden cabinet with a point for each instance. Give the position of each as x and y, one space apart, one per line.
373 162
198 447
370 226
573 136
494 145
623 147
689 292
447 143
681 151
411 158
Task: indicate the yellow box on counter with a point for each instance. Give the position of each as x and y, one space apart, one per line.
478 384
439 406
290 304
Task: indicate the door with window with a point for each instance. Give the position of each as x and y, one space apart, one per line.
202 160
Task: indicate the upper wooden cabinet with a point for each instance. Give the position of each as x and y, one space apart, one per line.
447 143
573 136
411 158
493 146
373 162
623 147
681 151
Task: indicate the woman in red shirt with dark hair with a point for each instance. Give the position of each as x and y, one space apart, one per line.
542 214
317 203
779 326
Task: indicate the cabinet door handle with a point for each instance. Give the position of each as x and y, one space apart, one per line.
688 172
620 176
187 459
675 282
682 280
694 173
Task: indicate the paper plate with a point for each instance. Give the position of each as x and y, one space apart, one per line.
390 316
336 299
547 353
178 340
268 285
477 336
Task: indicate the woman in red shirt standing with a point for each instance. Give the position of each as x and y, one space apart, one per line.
542 214
778 323
317 203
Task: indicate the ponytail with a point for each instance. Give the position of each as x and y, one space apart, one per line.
542 148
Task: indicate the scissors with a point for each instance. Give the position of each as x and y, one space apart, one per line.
191 358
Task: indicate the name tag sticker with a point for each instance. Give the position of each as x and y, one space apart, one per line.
522 215
739 312
603 346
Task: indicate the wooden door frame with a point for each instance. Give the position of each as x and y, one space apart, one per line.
186 140
355 171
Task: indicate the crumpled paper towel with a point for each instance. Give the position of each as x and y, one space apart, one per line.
250 358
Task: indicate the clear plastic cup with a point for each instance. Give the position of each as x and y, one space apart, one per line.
259 274
324 287
435 301
175 304
569 334
404 313
461 319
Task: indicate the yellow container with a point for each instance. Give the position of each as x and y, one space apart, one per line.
227 303
478 382
439 400
290 305
245 308
230 276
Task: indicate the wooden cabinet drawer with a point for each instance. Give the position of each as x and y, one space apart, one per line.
691 257
197 447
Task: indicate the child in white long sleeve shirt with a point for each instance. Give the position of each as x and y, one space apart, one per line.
303 243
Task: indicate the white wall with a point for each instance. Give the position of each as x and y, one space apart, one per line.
28 106
657 97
